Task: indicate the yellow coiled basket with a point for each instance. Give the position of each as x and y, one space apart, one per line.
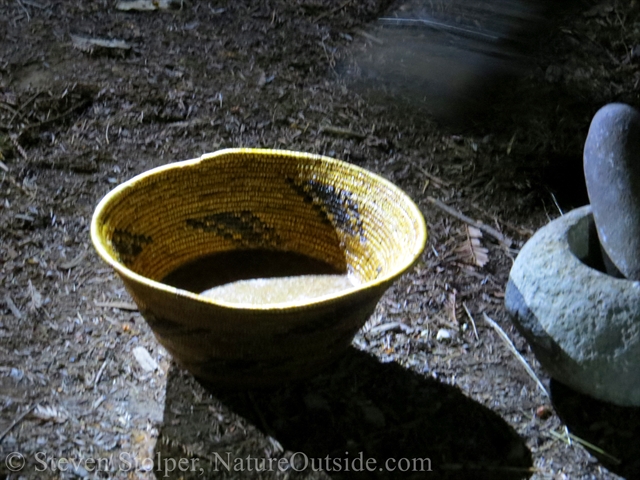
257 200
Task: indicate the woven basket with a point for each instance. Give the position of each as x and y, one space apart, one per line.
254 201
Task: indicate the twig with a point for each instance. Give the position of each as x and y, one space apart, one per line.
36 5
67 112
567 437
430 176
473 322
100 372
333 10
25 9
19 113
525 232
520 358
130 307
555 202
16 422
8 108
368 36
343 132
12 306
18 147
74 262
510 145
462 217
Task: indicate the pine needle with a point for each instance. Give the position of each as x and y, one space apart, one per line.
568 437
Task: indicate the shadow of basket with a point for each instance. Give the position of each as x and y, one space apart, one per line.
363 419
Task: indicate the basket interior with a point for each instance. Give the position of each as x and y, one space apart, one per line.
328 211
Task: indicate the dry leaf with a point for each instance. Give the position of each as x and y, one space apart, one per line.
146 362
471 250
49 414
454 309
444 335
75 262
36 297
451 301
147 5
90 44
131 307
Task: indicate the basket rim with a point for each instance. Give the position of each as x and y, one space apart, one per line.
412 209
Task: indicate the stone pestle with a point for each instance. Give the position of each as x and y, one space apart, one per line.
612 174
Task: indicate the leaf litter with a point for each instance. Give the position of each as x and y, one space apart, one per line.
74 122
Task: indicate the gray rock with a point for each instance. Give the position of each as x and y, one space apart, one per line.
583 325
612 172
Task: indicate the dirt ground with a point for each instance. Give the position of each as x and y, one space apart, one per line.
428 376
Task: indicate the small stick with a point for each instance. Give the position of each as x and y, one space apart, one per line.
12 306
512 347
100 372
23 106
525 232
368 36
555 202
67 112
75 262
16 422
18 147
343 132
333 10
473 322
8 108
462 217
25 9
430 176
130 307
567 437
34 4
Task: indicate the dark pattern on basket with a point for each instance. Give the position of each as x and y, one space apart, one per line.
129 245
243 228
337 206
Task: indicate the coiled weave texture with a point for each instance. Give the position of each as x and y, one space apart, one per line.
242 199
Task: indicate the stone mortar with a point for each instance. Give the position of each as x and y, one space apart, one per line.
583 325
